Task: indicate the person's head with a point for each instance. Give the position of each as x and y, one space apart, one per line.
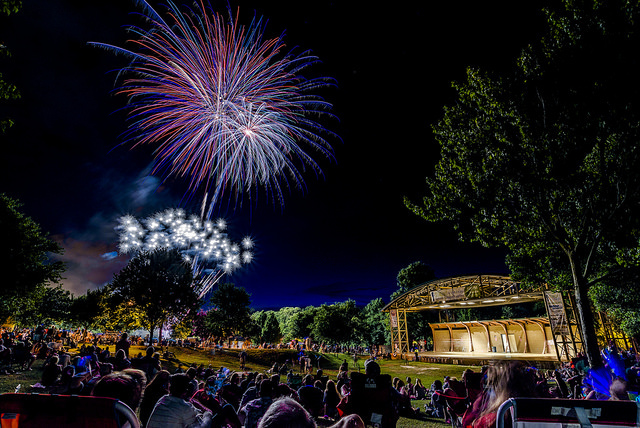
192 372
509 380
286 412
120 355
150 350
618 390
122 386
319 373
318 384
307 380
408 380
266 388
124 336
67 373
180 385
371 368
331 387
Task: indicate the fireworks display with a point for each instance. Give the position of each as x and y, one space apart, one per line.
224 107
204 244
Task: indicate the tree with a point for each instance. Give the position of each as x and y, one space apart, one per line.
415 274
230 313
545 160
271 329
621 302
153 288
285 319
411 276
8 91
301 323
86 308
334 323
372 325
27 269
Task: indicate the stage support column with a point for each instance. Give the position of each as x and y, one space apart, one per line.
399 331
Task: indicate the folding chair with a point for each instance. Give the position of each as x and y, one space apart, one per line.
64 411
558 413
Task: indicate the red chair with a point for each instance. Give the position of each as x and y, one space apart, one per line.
64 411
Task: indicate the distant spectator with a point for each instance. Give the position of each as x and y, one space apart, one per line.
51 371
420 390
123 344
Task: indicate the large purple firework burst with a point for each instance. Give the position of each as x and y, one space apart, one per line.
223 106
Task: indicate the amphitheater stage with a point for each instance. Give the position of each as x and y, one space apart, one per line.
484 358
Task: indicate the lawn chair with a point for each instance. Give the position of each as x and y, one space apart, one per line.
64 411
554 412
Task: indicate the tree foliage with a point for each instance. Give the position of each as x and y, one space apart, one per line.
8 91
371 325
545 160
411 276
230 314
153 288
335 323
27 269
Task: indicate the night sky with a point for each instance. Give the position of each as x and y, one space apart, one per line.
348 234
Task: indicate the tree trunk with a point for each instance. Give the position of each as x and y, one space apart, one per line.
585 315
151 329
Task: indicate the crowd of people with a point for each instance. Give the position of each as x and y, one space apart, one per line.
474 399
217 397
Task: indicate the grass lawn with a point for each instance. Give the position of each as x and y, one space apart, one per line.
262 360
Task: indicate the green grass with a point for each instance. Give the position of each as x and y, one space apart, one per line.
262 360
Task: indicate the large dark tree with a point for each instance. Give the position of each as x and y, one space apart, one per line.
26 267
546 160
411 276
157 285
230 314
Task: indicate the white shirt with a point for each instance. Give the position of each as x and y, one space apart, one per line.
174 412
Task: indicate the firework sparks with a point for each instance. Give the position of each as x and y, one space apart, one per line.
224 107
203 244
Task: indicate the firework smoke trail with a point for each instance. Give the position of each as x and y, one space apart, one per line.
224 108
204 244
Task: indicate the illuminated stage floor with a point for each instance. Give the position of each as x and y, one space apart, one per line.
483 358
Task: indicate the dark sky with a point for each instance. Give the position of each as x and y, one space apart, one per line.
349 234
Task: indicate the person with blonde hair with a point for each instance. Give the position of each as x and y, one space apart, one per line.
504 381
